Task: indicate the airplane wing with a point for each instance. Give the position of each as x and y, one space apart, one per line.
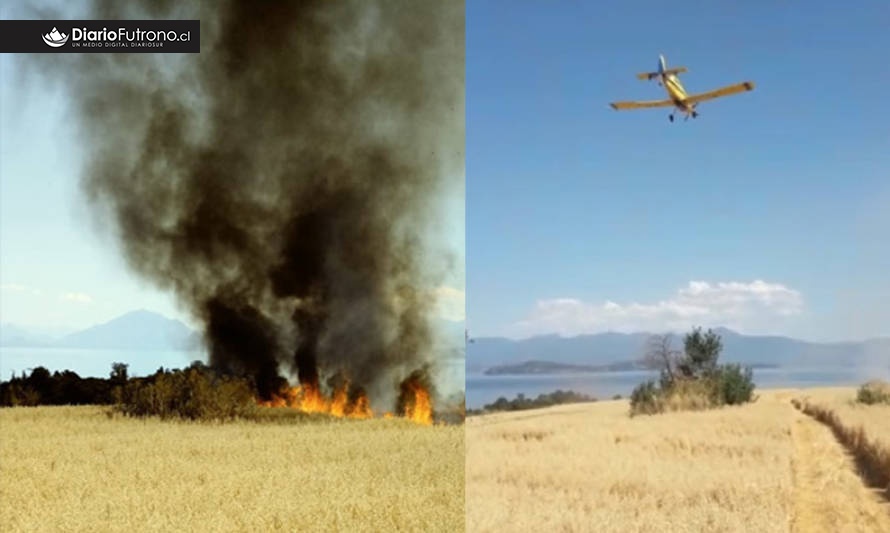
723 91
640 105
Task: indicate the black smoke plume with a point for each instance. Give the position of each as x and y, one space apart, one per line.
284 181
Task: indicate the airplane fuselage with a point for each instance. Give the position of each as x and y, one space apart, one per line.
675 91
671 83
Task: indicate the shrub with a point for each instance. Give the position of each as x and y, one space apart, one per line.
698 382
874 392
666 380
645 399
735 385
690 395
194 394
727 385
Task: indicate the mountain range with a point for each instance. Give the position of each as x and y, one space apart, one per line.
136 330
146 330
615 348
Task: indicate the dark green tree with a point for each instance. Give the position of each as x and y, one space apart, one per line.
119 373
701 351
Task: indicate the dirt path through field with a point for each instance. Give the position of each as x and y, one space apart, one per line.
828 494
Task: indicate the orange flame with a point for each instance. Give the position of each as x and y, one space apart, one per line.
313 401
288 398
309 398
421 409
339 402
362 407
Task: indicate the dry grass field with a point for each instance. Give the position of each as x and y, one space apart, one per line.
75 469
864 431
762 467
875 419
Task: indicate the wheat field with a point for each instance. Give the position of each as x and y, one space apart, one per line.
76 469
761 467
875 419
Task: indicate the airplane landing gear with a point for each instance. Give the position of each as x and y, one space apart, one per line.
671 117
694 114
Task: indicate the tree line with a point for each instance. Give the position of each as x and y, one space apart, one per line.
521 403
42 387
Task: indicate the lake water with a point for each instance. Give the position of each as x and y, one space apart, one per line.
91 363
482 389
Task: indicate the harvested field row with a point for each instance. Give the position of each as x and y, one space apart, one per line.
871 455
829 496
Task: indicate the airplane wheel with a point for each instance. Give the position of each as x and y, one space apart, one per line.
671 118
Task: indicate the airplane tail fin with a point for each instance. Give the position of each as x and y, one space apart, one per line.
651 75
675 70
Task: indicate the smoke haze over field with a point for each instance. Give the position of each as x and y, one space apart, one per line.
285 182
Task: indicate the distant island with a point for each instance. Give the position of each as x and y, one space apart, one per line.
550 367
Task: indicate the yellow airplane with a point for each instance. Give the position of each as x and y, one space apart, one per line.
686 103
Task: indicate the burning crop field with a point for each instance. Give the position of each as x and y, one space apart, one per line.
414 404
288 186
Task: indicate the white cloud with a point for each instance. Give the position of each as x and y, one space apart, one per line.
738 305
450 303
77 297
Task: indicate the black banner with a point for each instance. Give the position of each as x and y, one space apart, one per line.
103 36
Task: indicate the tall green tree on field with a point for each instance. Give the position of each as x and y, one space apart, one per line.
701 351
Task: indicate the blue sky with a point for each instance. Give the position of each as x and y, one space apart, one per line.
60 267
59 271
770 213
